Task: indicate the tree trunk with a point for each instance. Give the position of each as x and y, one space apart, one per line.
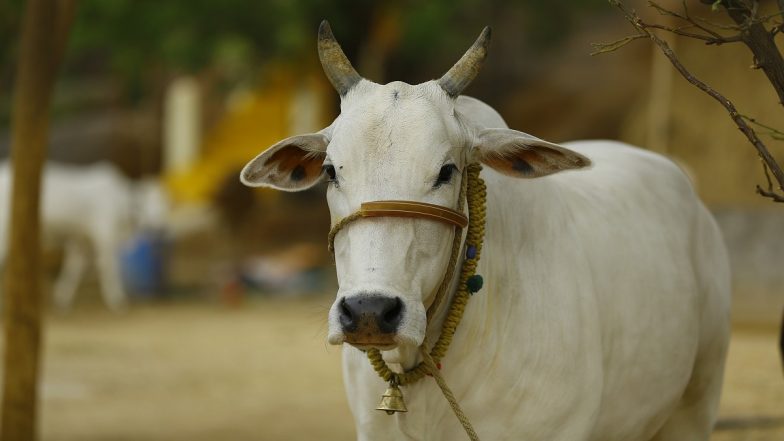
760 40
44 31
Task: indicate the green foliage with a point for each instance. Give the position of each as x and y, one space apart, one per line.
134 40
188 35
179 34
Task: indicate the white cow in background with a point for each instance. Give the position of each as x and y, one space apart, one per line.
92 210
605 310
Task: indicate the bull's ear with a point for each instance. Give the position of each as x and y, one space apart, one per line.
521 155
293 164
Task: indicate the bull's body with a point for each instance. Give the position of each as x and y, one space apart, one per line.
91 210
605 311
604 316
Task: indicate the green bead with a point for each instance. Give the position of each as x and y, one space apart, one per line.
474 283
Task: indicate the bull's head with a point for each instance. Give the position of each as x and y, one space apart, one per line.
396 142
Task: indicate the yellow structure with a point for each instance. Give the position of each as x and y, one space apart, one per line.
254 120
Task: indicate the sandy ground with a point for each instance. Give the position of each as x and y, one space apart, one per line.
264 372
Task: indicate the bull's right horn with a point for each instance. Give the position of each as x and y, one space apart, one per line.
336 66
467 67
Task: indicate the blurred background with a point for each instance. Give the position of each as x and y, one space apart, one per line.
220 333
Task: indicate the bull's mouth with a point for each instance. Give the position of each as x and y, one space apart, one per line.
367 340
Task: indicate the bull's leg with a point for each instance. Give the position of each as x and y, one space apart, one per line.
696 413
110 277
71 273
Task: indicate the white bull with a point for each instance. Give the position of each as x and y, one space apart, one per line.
605 311
91 210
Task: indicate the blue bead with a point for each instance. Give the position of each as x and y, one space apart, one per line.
471 252
474 283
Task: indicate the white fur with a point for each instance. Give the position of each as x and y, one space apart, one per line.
88 205
604 314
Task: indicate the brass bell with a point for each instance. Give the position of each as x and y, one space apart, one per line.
392 400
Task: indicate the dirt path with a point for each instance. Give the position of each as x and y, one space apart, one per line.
263 372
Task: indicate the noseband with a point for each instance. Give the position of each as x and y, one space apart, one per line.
409 209
473 192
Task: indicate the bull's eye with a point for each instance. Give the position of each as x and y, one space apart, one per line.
445 175
329 169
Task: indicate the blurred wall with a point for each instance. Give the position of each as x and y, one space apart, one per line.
539 75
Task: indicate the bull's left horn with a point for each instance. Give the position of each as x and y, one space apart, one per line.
336 66
466 69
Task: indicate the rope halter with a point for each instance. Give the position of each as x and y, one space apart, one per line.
473 192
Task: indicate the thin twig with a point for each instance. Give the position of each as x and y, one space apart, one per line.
769 192
691 20
707 39
772 132
750 134
766 18
726 27
767 175
685 17
712 36
601 48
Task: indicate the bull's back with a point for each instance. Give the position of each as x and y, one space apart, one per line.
617 250
74 199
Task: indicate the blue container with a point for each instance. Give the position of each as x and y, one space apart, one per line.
143 263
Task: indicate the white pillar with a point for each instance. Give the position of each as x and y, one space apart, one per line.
181 124
304 110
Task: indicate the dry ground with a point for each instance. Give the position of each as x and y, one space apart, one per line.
263 372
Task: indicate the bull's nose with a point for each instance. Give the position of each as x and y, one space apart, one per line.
371 314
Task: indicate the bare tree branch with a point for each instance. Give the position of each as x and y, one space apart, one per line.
769 163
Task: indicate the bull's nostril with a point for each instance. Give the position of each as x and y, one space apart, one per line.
391 316
347 317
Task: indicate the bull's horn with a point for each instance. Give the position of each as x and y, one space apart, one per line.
337 67
466 69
